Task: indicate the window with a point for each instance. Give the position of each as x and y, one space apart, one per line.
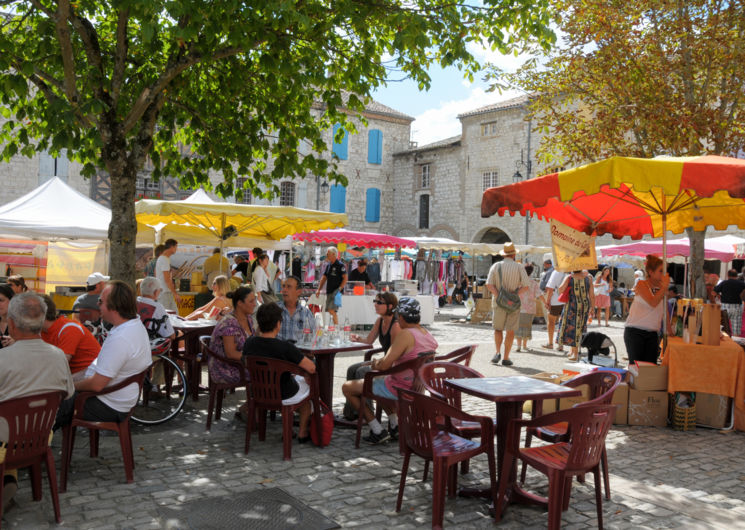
488 129
340 149
424 180
424 211
246 198
375 146
491 179
287 194
372 206
338 202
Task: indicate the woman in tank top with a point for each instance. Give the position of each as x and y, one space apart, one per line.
644 322
410 342
386 327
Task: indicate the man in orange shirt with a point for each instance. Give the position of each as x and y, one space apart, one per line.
80 346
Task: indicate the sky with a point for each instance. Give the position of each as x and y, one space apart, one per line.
450 94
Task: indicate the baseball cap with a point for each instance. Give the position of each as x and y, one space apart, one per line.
97 278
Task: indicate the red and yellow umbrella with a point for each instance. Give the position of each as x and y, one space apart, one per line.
632 196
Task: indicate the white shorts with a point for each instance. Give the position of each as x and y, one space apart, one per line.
302 392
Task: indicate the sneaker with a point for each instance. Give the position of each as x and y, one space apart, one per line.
375 439
497 357
506 362
393 431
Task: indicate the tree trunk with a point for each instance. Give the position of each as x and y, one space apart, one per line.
696 267
123 227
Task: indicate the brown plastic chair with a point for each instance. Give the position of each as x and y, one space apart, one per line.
460 355
121 428
422 434
29 446
217 390
588 425
370 353
433 376
264 393
602 386
367 388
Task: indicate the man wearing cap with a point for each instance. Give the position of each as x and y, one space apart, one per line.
511 276
95 284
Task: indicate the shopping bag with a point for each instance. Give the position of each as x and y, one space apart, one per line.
327 427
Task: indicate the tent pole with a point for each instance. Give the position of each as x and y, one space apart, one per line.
664 270
222 242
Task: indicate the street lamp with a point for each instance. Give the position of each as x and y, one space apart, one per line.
320 188
517 177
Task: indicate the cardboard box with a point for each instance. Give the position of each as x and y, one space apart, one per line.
549 405
648 376
647 407
569 402
713 410
621 398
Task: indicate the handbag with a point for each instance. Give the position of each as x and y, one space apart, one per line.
327 427
507 300
564 297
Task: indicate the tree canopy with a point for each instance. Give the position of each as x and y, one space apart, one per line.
227 86
642 78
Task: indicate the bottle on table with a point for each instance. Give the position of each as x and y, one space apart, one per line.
347 331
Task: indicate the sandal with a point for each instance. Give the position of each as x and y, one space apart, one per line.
547 346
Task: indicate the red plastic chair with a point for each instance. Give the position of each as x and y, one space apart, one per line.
370 353
433 376
29 446
367 388
422 434
588 425
460 355
121 428
217 390
264 393
602 386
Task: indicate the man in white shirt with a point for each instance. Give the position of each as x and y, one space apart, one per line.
168 297
511 276
125 352
555 307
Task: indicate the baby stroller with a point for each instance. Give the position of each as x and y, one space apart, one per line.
599 347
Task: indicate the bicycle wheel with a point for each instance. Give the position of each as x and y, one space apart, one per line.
163 393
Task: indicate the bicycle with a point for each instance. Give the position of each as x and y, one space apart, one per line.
155 406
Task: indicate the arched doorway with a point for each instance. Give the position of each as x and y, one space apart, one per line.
494 235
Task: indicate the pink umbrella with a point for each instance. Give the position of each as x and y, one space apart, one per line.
721 248
355 239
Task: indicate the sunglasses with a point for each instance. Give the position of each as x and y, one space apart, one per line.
379 302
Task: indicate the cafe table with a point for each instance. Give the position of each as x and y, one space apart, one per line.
509 394
189 332
324 357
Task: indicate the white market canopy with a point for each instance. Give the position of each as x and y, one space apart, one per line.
55 211
474 249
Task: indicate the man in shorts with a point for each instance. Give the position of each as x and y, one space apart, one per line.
513 279
335 278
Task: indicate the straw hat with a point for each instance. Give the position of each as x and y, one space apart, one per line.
509 249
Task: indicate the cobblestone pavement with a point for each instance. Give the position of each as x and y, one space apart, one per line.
659 478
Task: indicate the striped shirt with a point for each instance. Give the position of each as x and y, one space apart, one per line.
513 275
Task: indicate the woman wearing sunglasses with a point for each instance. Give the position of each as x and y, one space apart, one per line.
385 330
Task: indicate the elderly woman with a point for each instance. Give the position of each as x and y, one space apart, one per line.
149 308
221 303
412 340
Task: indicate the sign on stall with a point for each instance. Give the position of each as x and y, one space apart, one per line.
573 250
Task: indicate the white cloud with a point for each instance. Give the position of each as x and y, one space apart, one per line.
442 122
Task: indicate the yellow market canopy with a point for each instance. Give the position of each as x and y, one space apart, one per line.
229 222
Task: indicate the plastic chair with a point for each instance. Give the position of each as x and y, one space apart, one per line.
189 356
370 353
264 393
602 386
121 428
433 376
29 446
588 425
367 388
460 355
422 434
217 390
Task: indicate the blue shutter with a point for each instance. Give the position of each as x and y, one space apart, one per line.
372 205
375 146
340 149
338 202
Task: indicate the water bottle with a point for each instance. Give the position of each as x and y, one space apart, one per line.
332 335
347 331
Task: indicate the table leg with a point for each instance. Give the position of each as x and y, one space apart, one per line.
325 369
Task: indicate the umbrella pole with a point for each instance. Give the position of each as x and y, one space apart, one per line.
664 264
222 242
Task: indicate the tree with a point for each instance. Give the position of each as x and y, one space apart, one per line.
642 78
223 85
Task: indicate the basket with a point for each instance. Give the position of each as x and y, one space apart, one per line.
684 419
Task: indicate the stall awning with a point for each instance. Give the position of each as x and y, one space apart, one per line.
355 239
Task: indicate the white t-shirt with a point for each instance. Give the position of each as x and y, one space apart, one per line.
554 282
163 264
125 352
260 280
